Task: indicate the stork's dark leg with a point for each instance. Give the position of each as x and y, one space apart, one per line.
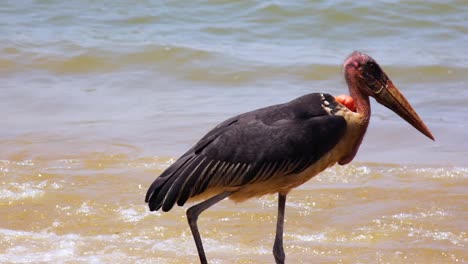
192 216
278 250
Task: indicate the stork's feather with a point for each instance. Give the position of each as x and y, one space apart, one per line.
252 147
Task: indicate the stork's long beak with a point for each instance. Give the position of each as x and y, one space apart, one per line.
392 98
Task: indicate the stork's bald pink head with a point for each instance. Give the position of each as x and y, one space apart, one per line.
365 76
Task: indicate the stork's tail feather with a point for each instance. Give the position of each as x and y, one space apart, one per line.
174 183
161 187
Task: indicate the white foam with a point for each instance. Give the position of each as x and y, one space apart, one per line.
419 215
19 191
444 173
14 191
346 174
49 247
439 236
133 215
84 209
319 237
37 246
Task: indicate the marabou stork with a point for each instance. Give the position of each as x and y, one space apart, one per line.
277 148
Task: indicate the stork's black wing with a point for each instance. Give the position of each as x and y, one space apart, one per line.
252 147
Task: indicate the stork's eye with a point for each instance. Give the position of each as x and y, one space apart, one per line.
372 68
368 76
376 79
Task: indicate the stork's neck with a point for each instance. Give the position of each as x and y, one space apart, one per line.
362 103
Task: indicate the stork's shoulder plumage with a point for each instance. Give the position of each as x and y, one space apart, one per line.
256 125
263 149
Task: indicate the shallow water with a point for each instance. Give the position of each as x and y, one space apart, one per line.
99 97
83 210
